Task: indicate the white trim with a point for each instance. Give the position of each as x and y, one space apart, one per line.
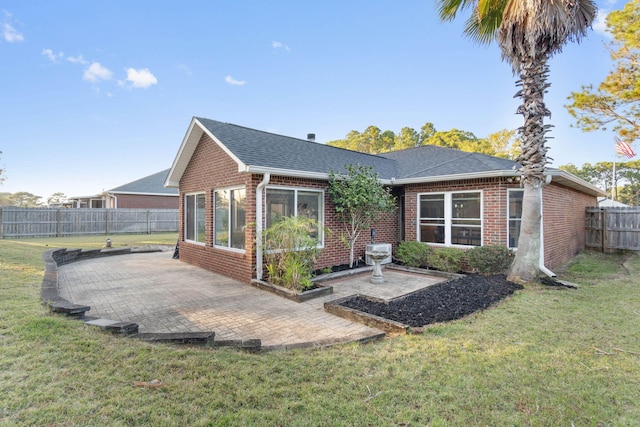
295 205
448 217
213 225
135 193
509 191
184 230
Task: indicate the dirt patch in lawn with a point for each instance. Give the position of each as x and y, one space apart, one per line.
441 302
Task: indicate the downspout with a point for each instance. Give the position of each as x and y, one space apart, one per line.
259 217
543 268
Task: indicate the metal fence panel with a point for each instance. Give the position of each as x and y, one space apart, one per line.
45 222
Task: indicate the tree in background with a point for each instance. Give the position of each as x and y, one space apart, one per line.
601 175
617 99
359 200
529 33
374 141
22 199
57 199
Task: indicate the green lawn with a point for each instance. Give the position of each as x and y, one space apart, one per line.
545 357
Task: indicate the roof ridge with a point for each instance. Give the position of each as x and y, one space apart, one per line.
289 137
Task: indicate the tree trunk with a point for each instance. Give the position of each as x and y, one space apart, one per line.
533 161
526 265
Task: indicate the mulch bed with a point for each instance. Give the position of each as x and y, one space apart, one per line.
440 303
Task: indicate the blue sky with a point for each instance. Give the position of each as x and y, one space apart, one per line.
97 94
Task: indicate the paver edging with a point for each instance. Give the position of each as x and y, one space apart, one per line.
296 296
391 327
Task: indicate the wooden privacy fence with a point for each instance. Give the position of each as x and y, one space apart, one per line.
613 228
46 222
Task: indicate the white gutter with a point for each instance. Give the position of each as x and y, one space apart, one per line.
259 198
541 265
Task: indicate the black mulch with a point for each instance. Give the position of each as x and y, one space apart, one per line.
442 302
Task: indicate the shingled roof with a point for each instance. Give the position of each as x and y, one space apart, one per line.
261 152
149 185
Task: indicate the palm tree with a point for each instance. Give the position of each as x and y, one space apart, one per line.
529 33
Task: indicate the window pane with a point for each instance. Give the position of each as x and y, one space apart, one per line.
461 235
309 203
222 218
189 218
515 216
237 217
432 206
431 214
515 204
200 217
465 205
280 203
432 233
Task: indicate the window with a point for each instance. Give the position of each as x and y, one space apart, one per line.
451 218
230 218
194 218
514 213
282 202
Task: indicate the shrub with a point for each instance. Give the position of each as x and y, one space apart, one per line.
413 254
492 259
291 252
446 259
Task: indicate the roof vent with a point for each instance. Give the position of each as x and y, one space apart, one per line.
311 137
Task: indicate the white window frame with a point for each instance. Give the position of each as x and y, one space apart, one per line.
228 247
295 205
509 219
448 217
195 218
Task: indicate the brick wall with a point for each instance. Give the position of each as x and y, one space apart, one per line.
564 223
210 168
564 214
494 207
137 201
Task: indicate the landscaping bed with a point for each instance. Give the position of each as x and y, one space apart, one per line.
438 303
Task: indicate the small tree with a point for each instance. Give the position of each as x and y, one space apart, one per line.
359 199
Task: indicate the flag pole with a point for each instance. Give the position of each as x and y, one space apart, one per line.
613 179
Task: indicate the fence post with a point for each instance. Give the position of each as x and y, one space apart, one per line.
148 222
106 221
603 236
58 214
1 225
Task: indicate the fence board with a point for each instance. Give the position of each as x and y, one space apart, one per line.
45 222
613 228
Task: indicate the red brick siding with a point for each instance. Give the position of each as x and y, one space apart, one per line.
210 168
564 223
494 206
564 214
136 201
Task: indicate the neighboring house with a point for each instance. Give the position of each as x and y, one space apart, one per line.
145 193
605 202
234 181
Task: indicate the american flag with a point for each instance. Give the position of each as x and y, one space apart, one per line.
624 149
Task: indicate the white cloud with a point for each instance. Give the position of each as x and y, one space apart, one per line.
53 57
280 46
10 34
233 82
8 31
96 72
142 78
600 23
77 59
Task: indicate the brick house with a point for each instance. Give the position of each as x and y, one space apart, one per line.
234 181
148 192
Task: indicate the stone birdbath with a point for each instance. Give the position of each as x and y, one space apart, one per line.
377 257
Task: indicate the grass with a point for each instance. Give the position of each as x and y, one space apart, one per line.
544 357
